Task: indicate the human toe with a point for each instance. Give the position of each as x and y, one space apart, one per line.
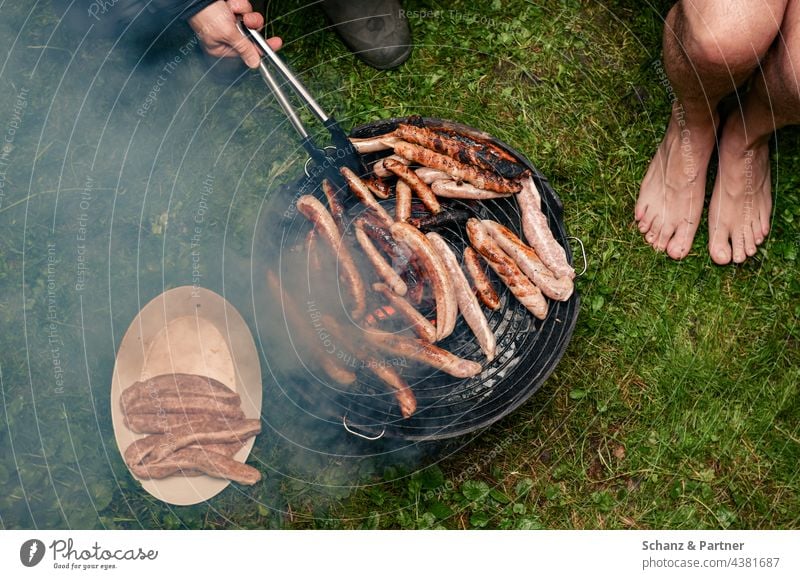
738 244
681 242
719 248
750 239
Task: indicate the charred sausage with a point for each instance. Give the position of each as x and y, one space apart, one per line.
523 289
315 212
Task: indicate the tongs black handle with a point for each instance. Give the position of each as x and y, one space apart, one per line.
327 162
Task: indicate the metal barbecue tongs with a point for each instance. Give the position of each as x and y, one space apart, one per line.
328 160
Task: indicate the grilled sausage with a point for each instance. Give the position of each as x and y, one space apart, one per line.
419 323
446 305
430 175
402 208
448 216
194 461
373 144
157 446
383 371
362 192
312 251
523 289
402 391
423 352
179 385
537 231
467 302
454 190
331 366
482 285
335 205
381 171
527 260
402 258
160 423
461 148
171 403
382 267
418 186
377 186
460 171
315 212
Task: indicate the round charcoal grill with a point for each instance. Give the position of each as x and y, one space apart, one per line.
528 349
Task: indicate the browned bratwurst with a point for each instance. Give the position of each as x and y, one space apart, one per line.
364 194
402 207
431 175
179 385
382 267
423 352
167 422
419 323
353 343
335 205
378 186
306 336
193 461
446 305
467 302
381 171
482 285
417 185
467 150
527 260
315 212
171 403
402 391
523 289
460 171
454 190
157 446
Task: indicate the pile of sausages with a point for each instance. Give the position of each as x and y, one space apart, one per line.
195 425
408 264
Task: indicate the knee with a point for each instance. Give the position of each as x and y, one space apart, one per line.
733 36
787 69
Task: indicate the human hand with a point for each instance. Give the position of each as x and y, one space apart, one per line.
215 26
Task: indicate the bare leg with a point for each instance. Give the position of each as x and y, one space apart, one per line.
739 213
710 48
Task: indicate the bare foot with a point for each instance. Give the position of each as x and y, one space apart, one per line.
739 212
673 190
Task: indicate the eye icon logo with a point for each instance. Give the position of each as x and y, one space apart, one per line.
31 552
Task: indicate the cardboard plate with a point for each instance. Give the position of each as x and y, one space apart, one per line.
194 331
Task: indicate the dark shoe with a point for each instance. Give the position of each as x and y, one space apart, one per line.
377 32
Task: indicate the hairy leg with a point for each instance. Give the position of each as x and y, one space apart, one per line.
710 48
741 204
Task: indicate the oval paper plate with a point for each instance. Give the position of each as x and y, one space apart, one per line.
193 331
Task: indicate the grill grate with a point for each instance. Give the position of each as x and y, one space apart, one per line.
528 349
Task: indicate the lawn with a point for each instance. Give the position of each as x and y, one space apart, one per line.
675 406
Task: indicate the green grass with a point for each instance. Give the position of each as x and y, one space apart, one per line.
675 406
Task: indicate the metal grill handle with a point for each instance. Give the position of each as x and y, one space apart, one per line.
360 435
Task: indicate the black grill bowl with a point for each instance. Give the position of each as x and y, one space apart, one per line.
528 349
